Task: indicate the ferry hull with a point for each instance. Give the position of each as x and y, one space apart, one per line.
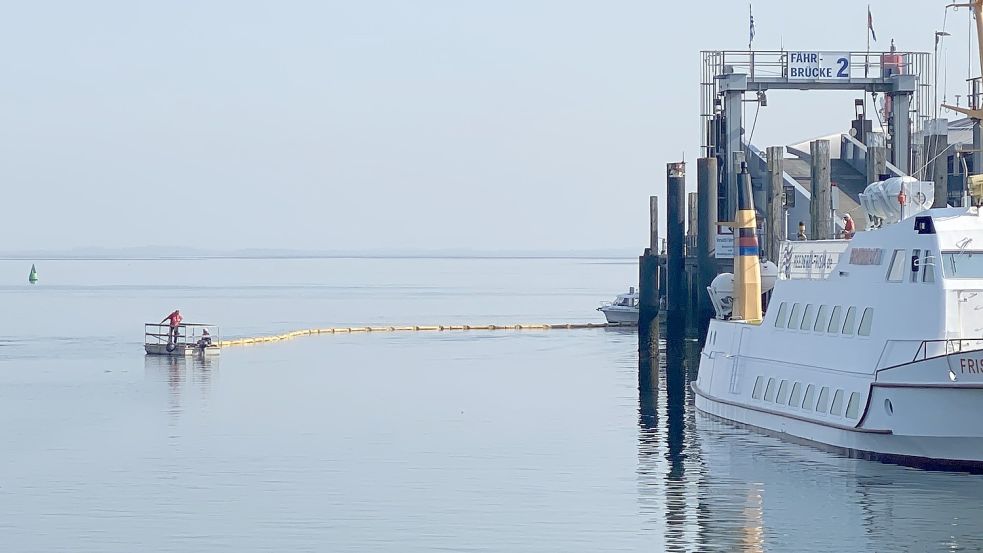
962 449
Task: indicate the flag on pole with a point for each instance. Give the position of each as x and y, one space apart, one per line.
751 30
870 23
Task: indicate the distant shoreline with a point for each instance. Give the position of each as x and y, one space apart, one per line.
49 256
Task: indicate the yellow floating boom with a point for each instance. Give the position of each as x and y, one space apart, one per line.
418 328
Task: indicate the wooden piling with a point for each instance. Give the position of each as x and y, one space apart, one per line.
676 298
820 207
706 190
648 278
936 144
775 188
876 163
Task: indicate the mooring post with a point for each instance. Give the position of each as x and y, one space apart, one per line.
776 206
706 190
691 218
648 282
676 298
820 207
936 161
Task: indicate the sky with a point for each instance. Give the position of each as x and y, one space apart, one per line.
387 125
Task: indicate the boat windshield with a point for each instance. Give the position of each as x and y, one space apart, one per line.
964 264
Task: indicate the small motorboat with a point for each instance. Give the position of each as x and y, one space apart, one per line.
624 308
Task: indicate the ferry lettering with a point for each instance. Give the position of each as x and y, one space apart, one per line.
804 57
972 366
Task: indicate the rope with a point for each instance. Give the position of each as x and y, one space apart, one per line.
430 328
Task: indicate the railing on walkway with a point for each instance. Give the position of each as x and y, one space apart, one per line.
930 349
188 334
771 67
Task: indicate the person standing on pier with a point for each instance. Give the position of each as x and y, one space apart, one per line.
802 232
849 228
175 323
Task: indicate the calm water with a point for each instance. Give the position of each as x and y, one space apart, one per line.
480 441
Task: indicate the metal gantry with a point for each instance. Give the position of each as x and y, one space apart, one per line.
901 77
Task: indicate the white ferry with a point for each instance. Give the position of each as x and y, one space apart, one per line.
871 346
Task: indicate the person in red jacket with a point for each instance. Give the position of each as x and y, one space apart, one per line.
175 322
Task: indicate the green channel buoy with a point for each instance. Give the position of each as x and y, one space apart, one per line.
33 279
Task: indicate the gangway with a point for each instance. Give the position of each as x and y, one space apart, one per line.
191 339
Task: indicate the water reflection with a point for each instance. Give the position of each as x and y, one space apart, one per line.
183 375
708 485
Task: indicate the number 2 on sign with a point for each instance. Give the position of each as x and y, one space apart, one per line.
844 64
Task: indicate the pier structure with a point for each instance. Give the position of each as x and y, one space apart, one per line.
814 182
897 78
832 169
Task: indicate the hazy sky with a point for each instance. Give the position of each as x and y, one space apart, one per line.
370 124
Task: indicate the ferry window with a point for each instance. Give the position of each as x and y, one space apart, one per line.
770 390
822 319
823 404
837 408
966 264
809 398
915 262
928 267
783 392
756 394
835 319
793 320
796 399
850 322
782 319
853 407
865 321
807 317
896 272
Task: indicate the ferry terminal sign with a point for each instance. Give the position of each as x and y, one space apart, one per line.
818 66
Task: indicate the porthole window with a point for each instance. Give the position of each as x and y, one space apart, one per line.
770 390
822 405
853 406
808 317
837 407
865 321
835 320
796 398
822 319
850 322
897 268
796 317
783 392
758 388
782 318
810 397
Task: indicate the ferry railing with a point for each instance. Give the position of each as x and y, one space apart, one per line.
188 334
930 349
